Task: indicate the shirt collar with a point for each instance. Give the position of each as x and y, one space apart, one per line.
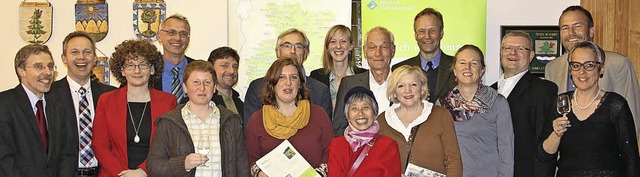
33 98
435 60
74 86
168 65
187 114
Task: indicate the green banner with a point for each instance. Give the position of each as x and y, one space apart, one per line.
464 22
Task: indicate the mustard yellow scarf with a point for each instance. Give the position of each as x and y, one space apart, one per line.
281 127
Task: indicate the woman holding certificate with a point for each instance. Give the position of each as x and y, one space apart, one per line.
361 151
424 132
288 115
481 117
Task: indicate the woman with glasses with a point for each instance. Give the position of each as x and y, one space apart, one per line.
336 63
597 136
123 124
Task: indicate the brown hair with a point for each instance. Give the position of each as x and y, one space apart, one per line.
26 51
198 65
472 48
429 11
130 49
268 94
222 53
75 34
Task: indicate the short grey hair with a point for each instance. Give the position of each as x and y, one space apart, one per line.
360 96
384 30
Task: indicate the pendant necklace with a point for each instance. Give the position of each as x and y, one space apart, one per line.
588 105
137 138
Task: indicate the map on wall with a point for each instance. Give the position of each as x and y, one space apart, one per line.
255 24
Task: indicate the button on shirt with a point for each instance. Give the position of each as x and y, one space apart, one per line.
505 86
380 92
210 127
74 87
167 75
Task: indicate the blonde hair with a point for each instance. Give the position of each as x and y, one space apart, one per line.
402 71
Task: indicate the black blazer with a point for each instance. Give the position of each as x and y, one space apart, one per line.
157 84
22 152
533 104
445 80
339 120
319 96
219 101
320 75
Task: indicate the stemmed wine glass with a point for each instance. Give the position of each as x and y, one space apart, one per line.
564 104
203 147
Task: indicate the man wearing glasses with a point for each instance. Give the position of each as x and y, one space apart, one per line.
291 43
174 35
519 86
35 138
576 25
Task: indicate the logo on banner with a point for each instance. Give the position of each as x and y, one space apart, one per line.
92 17
372 5
147 15
35 21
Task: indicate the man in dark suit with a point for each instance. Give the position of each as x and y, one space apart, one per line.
225 63
78 92
379 49
428 28
295 44
531 99
35 139
174 35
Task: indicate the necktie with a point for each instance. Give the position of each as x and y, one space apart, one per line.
429 66
42 124
176 87
86 153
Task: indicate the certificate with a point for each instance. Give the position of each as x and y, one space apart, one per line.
285 161
417 171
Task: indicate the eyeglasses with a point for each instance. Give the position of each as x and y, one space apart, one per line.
588 66
183 34
288 45
142 66
517 48
41 67
199 83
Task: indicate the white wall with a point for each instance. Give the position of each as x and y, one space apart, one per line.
516 12
208 20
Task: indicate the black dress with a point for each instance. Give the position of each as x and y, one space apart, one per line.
603 145
137 151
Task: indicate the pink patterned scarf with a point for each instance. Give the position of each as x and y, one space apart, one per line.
358 138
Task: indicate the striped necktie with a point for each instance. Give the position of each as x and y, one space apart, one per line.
176 87
86 153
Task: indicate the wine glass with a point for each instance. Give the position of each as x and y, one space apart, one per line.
564 104
203 147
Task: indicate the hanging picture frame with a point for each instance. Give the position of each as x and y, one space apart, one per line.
35 21
92 17
147 15
546 44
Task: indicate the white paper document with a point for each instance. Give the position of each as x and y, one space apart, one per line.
285 161
417 171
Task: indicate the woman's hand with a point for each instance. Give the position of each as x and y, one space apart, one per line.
261 174
561 125
133 173
193 160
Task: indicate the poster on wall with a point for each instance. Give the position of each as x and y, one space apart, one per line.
92 17
147 15
546 45
35 21
398 17
101 70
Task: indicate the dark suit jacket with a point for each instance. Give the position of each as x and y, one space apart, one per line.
62 92
110 129
157 84
445 80
219 101
22 152
319 96
533 104
339 120
320 75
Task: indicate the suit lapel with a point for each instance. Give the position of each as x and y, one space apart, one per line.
24 107
444 73
520 87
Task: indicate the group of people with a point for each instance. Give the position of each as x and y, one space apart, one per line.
431 114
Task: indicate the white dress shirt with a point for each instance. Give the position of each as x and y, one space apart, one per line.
505 86
380 92
75 96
